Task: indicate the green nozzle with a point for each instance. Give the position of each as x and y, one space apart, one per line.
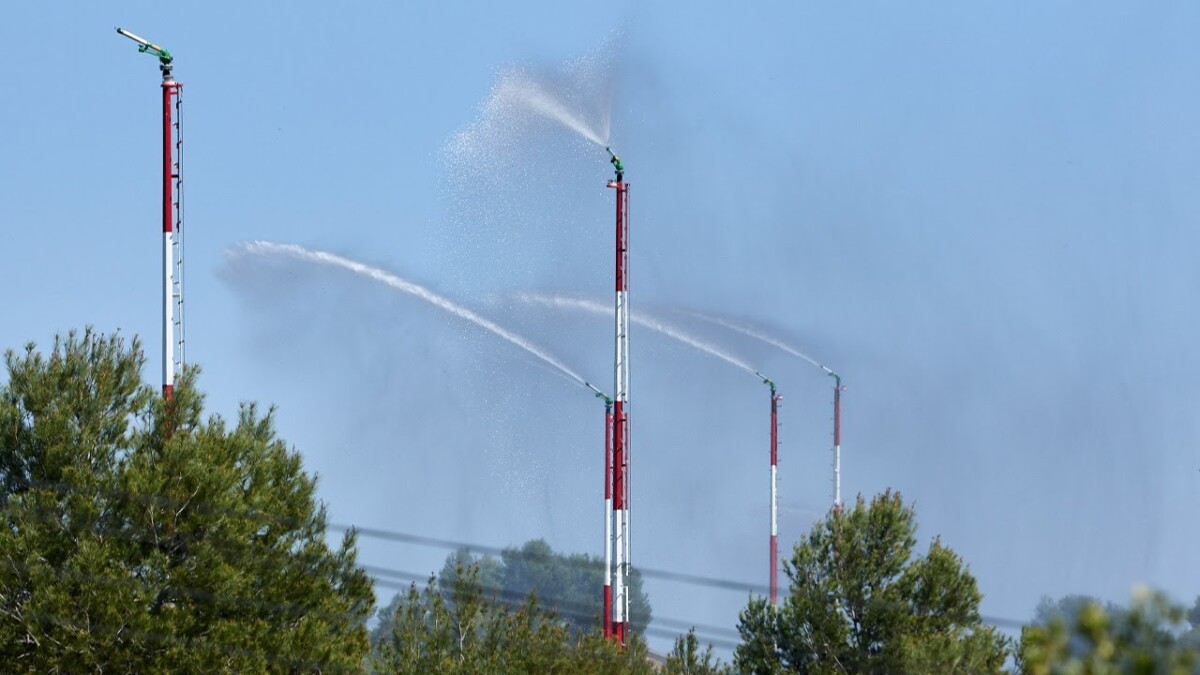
616 161
147 47
766 380
599 394
163 55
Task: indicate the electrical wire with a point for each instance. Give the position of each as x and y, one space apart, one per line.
437 542
575 612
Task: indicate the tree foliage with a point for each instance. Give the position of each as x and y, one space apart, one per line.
459 628
687 658
567 583
570 583
138 537
1068 608
860 602
1152 636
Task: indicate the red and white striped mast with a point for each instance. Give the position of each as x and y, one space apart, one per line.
620 423
773 546
606 597
837 438
172 214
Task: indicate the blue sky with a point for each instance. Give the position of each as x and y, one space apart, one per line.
982 214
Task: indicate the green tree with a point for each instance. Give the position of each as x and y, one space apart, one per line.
860 602
490 576
1068 607
1191 638
1067 610
458 628
687 658
570 583
491 572
1148 638
138 537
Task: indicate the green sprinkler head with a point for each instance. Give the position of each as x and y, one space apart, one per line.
599 394
616 161
147 47
766 380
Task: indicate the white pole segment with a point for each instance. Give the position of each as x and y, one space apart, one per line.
837 475
168 343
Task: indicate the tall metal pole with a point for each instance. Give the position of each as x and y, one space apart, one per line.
837 439
620 425
608 507
606 597
170 89
171 177
773 547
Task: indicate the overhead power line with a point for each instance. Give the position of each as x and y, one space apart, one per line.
434 542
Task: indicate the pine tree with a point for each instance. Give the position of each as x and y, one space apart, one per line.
459 628
686 658
1096 639
139 537
860 602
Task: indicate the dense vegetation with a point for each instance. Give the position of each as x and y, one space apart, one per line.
459 627
566 583
1081 635
139 536
861 602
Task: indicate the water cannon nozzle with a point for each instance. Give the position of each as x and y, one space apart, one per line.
616 162
147 47
767 381
599 394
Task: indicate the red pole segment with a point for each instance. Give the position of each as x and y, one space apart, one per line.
168 90
837 415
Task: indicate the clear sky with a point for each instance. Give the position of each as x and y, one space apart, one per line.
982 214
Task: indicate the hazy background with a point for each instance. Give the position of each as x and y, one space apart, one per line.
983 216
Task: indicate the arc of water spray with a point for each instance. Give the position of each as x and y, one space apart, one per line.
416 290
640 318
545 104
763 337
837 388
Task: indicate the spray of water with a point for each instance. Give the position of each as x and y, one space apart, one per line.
578 102
522 91
268 248
756 334
641 318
